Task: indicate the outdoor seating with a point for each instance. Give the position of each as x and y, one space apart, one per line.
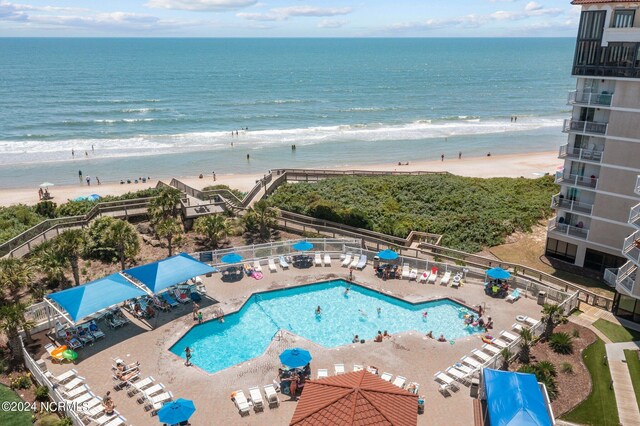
346 261
67 375
283 263
399 381
50 349
140 385
362 262
386 376
357 367
327 259
515 295
445 278
256 398
302 261
405 271
73 393
76 381
338 369
272 396
424 277
156 402
433 276
470 361
256 266
413 274
272 266
317 261
322 372
355 261
241 402
446 381
170 300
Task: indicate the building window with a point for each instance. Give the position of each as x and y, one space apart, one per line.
561 250
591 25
623 18
599 261
626 307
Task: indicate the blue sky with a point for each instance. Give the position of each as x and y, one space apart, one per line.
288 18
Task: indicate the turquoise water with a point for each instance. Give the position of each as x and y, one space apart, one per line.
167 106
247 333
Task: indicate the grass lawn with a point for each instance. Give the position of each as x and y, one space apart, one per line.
13 418
633 362
616 333
599 409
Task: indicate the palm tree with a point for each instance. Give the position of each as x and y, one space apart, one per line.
214 227
124 239
50 262
551 315
70 244
15 275
506 355
525 344
169 229
264 217
165 205
12 318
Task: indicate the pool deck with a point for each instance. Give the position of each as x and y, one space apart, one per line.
408 354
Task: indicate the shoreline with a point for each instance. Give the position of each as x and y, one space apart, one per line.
528 165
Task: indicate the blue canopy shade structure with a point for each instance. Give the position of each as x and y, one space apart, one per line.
176 411
514 399
231 258
387 255
84 300
498 274
170 271
302 246
295 357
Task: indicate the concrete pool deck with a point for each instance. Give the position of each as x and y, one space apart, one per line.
408 354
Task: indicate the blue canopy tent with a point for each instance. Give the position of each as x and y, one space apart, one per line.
514 399
170 271
84 300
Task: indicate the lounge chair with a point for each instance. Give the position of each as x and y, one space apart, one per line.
470 361
481 355
180 297
446 278
362 262
82 398
322 372
241 402
272 266
283 263
405 271
327 259
317 260
272 396
413 274
117 421
457 278
75 392
149 392
457 374
67 375
516 327
357 367
338 369
156 402
399 381
527 320
464 368
256 398
121 384
490 349
106 418
433 276
141 385
447 381
500 343
386 376
94 330
73 343
50 348
346 261
73 383
424 277
515 295
355 261
170 300
256 266
60 330
507 335
157 304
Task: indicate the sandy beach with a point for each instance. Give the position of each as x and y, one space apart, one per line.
529 165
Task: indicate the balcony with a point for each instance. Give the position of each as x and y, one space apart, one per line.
610 276
634 216
576 180
631 247
580 154
558 202
626 277
572 231
585 98
584 127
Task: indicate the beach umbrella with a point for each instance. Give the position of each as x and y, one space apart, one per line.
231 258
302 246
295 357
46 184
498 274
93 197
70 355
177 411
80 198
387 255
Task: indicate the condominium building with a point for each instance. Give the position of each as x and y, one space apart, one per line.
602 154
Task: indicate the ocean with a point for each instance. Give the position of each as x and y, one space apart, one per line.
168 107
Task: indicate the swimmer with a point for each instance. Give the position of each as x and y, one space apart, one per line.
430 334
362 313
346 291
379 311
385 334
356 339
318 310
424 314
442 338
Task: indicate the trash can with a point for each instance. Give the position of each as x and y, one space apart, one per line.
376 262
473 389
421 405
542 297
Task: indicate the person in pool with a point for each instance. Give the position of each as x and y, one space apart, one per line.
346 291
386 335
442 338
318 310
362 313
425 314
430 335
356 339
379 337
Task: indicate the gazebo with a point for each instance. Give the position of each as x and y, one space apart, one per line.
355 398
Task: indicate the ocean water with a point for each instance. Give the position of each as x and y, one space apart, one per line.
162 107
248 333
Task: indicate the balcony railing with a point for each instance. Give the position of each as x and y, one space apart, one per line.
637 191
570 230
631 247
586 98
634 216
558 202
580 154
576 180
586 127
626 276
610 276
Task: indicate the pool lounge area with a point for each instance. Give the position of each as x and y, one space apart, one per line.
408 353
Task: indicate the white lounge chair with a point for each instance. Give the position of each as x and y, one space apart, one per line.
457 374
256 398
470 361
515 295
386 376
490 349
527 320
405 271
272 266
446 278
156 402
241 402
357 367
283 263
327 259
464 368
434 276
507 335
67 375
362 263
104 419
322 372
76 391
150 392
76 381
346 261
354 262
317 259
481 355
272 396
500 343
399 381
448 382
117 421
517 327
424 277
338 369
256 266
82 398
413 274
140 385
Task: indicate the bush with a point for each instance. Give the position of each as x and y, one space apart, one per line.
239 194
23 381
48 420
42 393
575 333
17 219
561 343
543 375
46 209
566 367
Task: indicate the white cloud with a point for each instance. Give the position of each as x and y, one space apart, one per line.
332 23
201 5
284 13
532 5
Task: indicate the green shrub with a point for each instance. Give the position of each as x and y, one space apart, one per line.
46 209
75 208
65 421
575 333
42 393
22 381
17 219
561 343
566 367
48 420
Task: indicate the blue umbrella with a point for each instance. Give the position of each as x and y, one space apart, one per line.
302 246
498 274
93 197
295 357
231 258
388 255
176 411
80 198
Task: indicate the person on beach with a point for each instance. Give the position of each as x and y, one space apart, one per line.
92 150
442 157
430 334
80 175
107 403
442 338
385 334
88 180
460 155
40 194
86 154
247 157
73 153
187 352
98 180
355 339
214 176
379 337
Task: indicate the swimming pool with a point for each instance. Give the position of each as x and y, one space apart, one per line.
247 333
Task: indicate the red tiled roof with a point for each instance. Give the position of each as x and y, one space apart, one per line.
358 398
577 2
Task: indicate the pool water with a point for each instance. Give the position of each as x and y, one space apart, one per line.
247 333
